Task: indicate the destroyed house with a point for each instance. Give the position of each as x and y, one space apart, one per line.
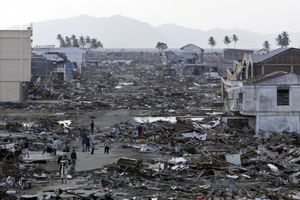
41 68
282 59
269 102
236 54
186 62
63 69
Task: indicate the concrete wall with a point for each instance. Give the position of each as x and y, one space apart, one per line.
10 92
277 124
15 63
15 55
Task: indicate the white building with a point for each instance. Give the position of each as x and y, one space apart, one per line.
15 63
270 103
74 54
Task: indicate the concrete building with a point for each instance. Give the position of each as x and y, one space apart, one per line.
75 55
264 102
236 54
15 63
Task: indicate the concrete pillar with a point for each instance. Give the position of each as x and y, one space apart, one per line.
257 125
262 70
292 68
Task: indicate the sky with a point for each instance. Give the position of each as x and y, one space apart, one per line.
262 16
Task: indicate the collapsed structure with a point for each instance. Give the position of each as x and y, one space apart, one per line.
262 92
188 61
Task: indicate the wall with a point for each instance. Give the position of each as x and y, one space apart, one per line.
10 92
15 63
277 124
262 97
15 55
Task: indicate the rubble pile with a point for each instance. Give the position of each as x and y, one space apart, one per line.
166 137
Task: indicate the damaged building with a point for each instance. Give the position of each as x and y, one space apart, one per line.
188 61
262 92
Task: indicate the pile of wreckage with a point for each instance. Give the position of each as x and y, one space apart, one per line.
196 159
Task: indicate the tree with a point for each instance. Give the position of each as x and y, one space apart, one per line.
266 45
68 42
61 40
278 40
74 41
212 42
88 41
99 44
161 46
235 39
93 43
227 41
283 39
81 41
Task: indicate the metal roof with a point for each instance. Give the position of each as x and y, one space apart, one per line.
257 58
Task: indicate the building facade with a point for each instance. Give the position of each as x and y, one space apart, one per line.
15 63
265 102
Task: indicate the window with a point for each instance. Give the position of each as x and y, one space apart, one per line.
283 97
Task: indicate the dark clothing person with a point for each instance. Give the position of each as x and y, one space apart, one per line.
87 144
73 157
106 146
140 131
92 145
92 127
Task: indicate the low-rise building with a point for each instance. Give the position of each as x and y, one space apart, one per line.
265 102
15 63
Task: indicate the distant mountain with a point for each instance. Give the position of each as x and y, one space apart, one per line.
123 32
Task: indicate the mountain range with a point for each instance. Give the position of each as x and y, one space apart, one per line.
123 32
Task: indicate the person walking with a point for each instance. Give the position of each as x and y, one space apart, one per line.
140 132
107 146
26 148
87 144
64 164
92 144
73 157
92 127
83 142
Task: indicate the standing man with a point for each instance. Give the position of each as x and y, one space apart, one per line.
140 132
92 127
64 164
73 157
106 146
87 144
26 148
92 144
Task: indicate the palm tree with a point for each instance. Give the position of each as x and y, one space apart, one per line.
68 42
74 41
82 41
227 41
99 44
266 45
235 39
285 39
62 43
88 41
212 42
279 40
94 43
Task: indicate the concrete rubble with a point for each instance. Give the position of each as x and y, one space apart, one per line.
184 152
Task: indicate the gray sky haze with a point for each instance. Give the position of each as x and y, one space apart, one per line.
262 16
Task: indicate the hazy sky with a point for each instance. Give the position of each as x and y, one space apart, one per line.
264 16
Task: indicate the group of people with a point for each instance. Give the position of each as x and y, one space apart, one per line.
88 144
